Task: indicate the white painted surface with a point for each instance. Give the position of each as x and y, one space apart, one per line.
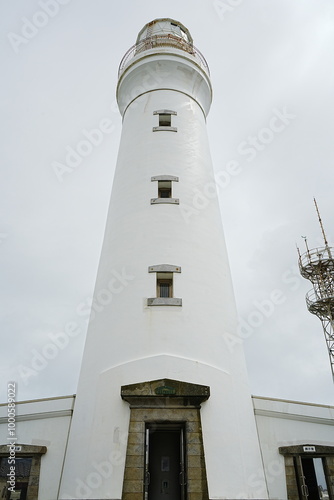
287 423
160 69
43 423
130 342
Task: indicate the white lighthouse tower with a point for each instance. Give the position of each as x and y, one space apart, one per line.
163 409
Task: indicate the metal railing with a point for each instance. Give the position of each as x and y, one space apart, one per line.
315 255
157 41
314 296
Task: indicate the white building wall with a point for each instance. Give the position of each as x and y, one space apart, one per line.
43 423
279 423
288 423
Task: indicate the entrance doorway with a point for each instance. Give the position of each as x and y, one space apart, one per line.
312 483
165 462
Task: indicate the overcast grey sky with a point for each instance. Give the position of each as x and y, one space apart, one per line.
59 62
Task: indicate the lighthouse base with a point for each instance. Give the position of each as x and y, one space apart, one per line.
165 455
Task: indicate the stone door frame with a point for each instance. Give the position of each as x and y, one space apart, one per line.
291 454
160 402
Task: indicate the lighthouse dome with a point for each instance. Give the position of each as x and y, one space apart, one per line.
165 27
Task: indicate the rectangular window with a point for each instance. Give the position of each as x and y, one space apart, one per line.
164 194
165 120
164 189
165 288
320 477
22 473
311 478
165 285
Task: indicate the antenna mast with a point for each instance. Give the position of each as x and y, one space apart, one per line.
320 222
317 265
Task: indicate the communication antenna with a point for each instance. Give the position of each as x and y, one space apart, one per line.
317 265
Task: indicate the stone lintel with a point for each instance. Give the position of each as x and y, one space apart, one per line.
171 178
161 201
164 301
307 450
25 450
164 268
164 112
164 129
165 392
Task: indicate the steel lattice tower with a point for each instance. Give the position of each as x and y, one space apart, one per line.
317 265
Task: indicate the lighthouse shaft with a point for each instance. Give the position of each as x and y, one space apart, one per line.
163 363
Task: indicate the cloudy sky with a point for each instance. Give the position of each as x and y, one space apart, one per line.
59 61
